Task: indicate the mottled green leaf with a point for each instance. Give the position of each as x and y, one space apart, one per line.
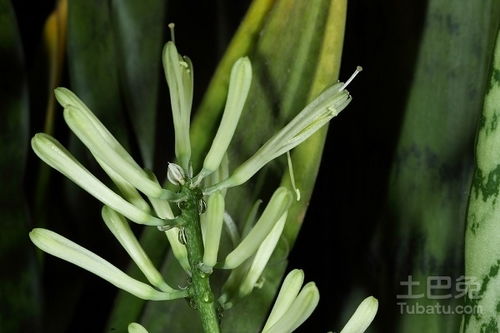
432 168
19 288
482 235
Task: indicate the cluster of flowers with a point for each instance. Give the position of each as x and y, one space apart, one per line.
252 247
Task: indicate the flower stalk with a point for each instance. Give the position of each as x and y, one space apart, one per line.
199 291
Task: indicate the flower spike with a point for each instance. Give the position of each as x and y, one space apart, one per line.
61 247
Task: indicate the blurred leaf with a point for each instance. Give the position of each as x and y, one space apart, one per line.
482 236
92 60
18 279
139 27
432 169
295 49
54 36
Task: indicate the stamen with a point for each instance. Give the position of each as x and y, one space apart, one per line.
171 26
356 72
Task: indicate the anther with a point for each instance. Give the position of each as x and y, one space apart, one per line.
171 26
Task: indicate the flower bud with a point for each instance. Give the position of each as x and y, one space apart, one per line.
214 221
136 328
362 317
279 203
175 174
262 256
54 154
82 125
289 290
179 75
298 312
121 230
239 85
67 250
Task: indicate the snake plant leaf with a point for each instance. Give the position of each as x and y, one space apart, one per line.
19 281
93 72
295 48
482 235
139 28
432 168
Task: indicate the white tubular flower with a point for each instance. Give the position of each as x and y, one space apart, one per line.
314 116
297 312
128 191
65 249
54 154
214 220
67 98
277 206
362 317
179 75
239 85
163 210
121 230
262 256
136 328
289 290
82 125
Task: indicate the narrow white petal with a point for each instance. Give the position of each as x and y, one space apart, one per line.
214 220
65 249
121 230
298 312
362 317
82 126
239 85
288 292
55 155
178 72
262 256
67 98
279 203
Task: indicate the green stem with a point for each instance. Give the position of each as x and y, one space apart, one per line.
199 290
